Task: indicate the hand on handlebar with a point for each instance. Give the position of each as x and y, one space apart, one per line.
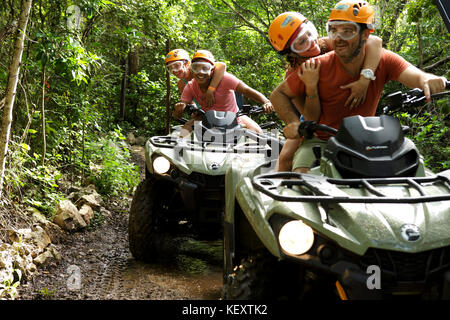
179 108
307 129
268 107
295 130
433 84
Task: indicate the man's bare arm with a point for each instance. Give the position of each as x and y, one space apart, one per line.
415 78
255 95
281 100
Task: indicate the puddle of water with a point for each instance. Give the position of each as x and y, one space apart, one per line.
205 286
196 272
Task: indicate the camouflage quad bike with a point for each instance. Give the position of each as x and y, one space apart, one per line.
183 192
371 222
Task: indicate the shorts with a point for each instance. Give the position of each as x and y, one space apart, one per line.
304 156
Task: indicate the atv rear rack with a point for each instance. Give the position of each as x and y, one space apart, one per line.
326 190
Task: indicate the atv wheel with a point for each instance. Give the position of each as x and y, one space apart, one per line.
148 229
262 276
251 280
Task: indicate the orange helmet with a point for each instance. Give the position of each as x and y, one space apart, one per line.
204 54
177 55
283 27
358 11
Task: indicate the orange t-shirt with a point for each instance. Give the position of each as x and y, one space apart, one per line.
333 76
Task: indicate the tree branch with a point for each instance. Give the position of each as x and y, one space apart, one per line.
433 57
436 64
218 11
251 13
248 23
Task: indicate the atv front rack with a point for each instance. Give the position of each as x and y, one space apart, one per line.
191 145
326 190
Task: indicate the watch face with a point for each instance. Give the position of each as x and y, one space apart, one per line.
368 74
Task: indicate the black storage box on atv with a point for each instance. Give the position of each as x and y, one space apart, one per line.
372 147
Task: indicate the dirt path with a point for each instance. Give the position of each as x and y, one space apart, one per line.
97 264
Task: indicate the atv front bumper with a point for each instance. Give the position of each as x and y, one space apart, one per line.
382 274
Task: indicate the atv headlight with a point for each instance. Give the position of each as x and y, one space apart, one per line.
161 165
295 237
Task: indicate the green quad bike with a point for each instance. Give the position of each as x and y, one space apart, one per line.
369 222
183 191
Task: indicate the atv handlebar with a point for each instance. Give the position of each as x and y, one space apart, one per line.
411 98
397 99
191 108
248 110
307 128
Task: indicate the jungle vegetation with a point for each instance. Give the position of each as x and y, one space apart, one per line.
93 70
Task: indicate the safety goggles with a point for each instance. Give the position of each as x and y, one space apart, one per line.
175 66
305 37
201 67
346 30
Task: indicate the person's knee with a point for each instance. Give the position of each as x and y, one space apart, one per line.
187 128
255 128
250 124
284 164
301 170
286 156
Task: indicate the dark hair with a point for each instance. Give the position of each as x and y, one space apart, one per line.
363 27
293 60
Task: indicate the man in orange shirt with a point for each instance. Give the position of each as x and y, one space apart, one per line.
349 26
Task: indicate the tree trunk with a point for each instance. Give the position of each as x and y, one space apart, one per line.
419 44
167 92
133 69
13 78
389 25
123 91
44 134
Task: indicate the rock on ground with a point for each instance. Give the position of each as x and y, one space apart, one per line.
68 217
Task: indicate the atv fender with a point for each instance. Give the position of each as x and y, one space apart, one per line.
255 214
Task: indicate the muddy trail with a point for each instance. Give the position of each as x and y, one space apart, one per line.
96 264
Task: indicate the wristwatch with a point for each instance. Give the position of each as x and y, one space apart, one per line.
368 74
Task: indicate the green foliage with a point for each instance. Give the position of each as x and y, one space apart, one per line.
45 293
85 67
190 265
32 183
111 171
430 133
8 288
95 222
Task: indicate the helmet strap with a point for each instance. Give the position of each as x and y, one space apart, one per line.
358 49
